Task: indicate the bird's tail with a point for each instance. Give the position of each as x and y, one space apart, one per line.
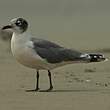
93 57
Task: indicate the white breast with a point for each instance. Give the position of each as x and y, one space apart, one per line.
22 50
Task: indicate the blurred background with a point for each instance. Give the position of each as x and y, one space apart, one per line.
78 24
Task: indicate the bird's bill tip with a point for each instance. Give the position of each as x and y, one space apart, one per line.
6 27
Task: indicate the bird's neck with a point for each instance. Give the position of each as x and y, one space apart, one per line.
20 38
15 34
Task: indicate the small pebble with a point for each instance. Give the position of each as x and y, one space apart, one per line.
98 83
88 80
105 84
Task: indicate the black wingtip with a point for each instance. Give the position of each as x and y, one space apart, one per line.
97 57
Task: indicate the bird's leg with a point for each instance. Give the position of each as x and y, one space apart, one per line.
37 83
51 86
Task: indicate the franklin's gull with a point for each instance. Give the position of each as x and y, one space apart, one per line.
41 54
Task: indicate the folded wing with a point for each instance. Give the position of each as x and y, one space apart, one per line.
54 53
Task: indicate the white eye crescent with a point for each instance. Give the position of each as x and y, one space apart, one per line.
95 56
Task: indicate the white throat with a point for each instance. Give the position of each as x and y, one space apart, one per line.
18 41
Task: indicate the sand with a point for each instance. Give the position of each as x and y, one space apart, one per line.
76 87
82 25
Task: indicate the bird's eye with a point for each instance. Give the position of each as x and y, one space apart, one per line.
18 23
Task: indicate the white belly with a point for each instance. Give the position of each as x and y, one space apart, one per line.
26 55
27 58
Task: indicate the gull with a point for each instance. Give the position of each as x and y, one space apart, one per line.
40 54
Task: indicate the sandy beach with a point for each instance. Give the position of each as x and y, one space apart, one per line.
86 27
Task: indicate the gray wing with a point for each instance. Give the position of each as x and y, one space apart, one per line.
54 53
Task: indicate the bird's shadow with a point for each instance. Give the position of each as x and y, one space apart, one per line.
70 90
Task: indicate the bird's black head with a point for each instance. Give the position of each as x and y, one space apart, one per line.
22 24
